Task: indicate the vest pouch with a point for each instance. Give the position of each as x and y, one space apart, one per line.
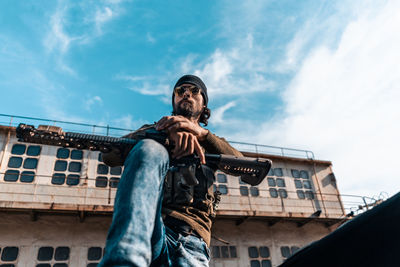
183 193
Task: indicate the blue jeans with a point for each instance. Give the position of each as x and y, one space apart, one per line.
137 235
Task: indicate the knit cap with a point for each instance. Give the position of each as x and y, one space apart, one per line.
192 79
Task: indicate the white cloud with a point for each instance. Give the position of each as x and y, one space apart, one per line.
235 72
128 122
150 38
74 24
145 86
91 101
343 103
103 15
57 38
218 113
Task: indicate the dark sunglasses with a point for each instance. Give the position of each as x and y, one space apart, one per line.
180 90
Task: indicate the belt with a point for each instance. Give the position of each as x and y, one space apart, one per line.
180 227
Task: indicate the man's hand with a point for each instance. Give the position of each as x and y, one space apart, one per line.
180 123
185 134
186 144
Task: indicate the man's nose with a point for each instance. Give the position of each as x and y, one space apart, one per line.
187 93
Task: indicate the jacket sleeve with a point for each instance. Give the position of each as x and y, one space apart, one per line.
218 145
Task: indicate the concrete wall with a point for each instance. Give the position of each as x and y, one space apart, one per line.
85 194
67 231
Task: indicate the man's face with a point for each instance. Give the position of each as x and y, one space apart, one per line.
188 105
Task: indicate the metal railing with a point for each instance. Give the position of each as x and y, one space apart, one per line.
354 204
14 120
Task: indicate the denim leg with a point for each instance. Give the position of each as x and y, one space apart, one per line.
137 208
186 250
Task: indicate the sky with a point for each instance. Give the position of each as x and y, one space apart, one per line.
315 75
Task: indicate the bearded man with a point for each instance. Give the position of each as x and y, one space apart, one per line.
159 219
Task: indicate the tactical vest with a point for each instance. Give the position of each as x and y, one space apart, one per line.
200 196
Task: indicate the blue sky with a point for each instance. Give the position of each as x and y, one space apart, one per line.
316 75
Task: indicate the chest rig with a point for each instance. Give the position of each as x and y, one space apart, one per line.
177 191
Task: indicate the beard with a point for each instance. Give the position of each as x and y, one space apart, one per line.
186 109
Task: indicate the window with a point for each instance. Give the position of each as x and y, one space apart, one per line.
18 149
101 181
244 190
73 179
102 169
287 251
76 154
61 165
9 256
273 192
33 151
221 178
50 256
11 175
302 182
222 188
63 153
259 256
278 172
15 162
224 252
106 176
22 163
27 176
58 178
94 256
221 183
30 163
254 191
67 167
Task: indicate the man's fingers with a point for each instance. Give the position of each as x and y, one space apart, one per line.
199 151
178 145
187 144
183 125
167 121
190 148
181 147
160 125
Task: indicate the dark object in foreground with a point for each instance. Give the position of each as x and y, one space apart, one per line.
370 239
251 170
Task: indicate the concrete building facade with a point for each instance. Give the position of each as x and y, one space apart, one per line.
56 205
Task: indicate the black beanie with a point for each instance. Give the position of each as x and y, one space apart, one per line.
191 79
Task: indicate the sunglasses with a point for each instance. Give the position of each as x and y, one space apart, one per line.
180 90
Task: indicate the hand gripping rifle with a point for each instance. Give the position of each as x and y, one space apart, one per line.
251 170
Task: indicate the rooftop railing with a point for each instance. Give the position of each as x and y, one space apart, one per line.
68 126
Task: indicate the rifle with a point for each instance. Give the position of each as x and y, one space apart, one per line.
251 170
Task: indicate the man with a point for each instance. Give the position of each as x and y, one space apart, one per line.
159 218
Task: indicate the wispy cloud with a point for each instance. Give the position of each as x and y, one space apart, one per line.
91 101
103 15
57 38
150 38
218 113
127 122
343 103
74 24
145 86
